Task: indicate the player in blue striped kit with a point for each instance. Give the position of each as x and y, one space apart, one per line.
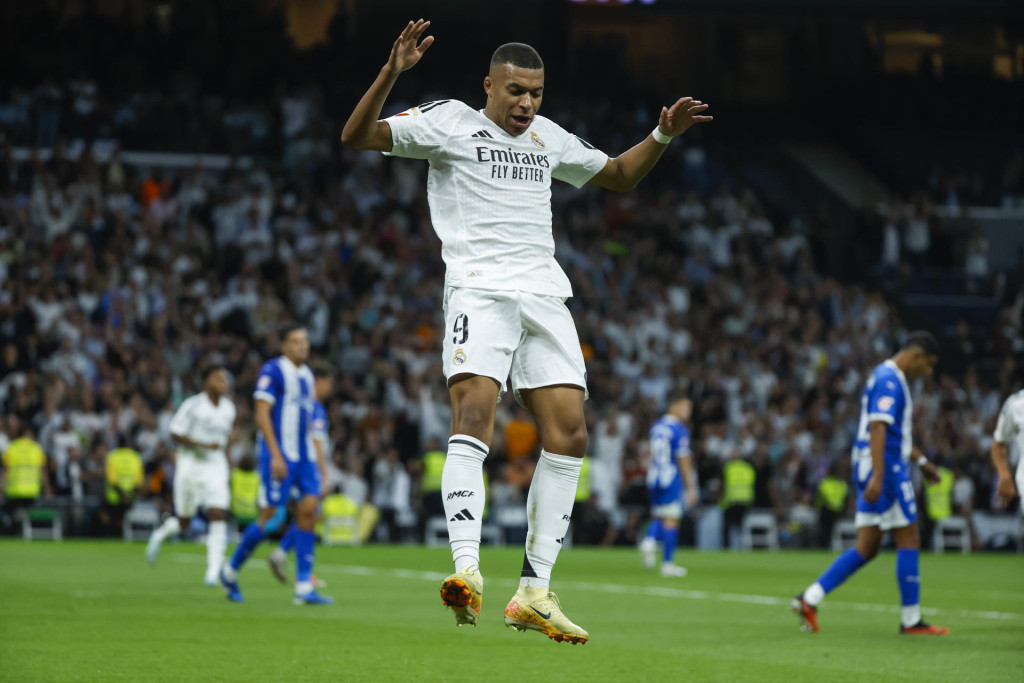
323 386
284 415
885 493
669 477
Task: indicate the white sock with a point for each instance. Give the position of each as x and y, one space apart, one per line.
170 527
549 511
216 545
303 587
278 554
462 490
911 615
814 594
230 573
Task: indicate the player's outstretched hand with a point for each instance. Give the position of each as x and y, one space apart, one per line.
405 52
676 119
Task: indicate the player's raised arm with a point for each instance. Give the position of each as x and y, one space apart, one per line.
624 172
364 130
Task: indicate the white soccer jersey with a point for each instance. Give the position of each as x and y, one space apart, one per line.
1010 429
490 193
198 419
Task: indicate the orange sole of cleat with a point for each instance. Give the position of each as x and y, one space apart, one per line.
929 631
456 593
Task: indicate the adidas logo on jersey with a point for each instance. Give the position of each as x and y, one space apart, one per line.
482 134
462 516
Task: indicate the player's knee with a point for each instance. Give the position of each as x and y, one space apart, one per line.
570 440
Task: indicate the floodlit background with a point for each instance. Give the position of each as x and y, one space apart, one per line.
173 188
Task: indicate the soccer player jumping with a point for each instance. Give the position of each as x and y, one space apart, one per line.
489 190
885 494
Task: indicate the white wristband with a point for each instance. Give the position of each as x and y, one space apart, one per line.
661 137
922 461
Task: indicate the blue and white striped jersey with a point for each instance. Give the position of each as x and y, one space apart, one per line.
886 399
669 441
289 389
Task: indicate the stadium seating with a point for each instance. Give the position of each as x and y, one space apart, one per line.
41 522
953 532
844 534
140 519
759 530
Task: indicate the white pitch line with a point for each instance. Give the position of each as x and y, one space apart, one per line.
655 591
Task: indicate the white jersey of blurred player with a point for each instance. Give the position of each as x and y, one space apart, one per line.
202 428
1009 436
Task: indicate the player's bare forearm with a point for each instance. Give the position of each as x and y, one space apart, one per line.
877 447
625 172
686 467
266 427
999 459
364 130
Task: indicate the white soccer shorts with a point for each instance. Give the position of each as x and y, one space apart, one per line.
201 483
528 338
668 511
893 518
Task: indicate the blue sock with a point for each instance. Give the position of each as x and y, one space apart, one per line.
305 542
275 522
288 540
908 575
842 568
670 537
654 530
251 537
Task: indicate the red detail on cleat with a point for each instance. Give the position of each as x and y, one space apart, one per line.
923 629
807 613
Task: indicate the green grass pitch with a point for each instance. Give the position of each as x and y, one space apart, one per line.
87 610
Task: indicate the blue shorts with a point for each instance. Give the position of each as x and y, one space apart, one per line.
895 508
303 477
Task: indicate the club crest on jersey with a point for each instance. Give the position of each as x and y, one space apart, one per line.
886 402
263 382
536 140
459 358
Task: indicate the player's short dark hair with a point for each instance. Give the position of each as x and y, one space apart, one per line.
923 340
517 54
285 330
321 369
209 370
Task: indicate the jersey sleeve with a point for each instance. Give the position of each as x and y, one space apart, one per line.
319 427
420 132
579 162
1006 427
269 385
885 399
683 444
181 423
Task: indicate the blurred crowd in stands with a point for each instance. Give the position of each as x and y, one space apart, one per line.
120 281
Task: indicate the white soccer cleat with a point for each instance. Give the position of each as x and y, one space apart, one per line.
538 609
648 550
464 593
278 563
669 570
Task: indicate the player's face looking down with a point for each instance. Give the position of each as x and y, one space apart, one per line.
296 347
513 96
922 364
